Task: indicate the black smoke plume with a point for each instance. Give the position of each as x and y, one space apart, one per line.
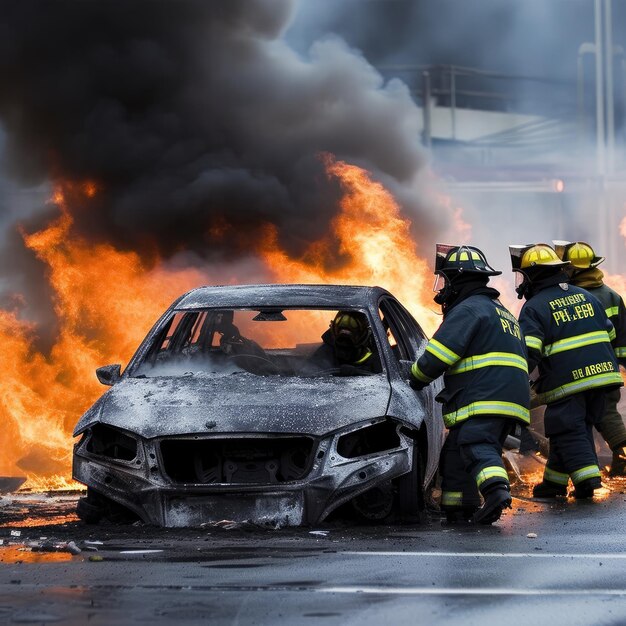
193 114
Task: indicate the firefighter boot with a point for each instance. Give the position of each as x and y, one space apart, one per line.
497 499
618 464
548 489
460 515
584 489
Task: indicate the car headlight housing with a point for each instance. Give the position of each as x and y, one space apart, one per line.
111 443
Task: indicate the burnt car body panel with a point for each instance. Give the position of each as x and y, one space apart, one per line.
286 450
242 403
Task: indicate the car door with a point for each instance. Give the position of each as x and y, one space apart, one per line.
406 342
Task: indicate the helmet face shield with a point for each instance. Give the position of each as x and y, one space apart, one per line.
440 282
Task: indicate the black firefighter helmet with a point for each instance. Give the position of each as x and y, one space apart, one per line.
456 263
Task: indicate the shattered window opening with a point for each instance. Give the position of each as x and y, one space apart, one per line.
289 342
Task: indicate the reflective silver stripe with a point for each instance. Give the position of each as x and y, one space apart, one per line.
579 341
451 498
437 349
417 373
495 471
599 380
505 359
590 471
494 407
555 477
620 352
533 342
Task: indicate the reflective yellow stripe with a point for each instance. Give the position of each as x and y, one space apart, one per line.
368 354
611 311
534 342
620 352
555 477
495 471
612 334
591 471
417 373
436 348
579 341
505 359
599 380
451 498
487 408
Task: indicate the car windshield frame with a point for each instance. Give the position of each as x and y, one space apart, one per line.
252 362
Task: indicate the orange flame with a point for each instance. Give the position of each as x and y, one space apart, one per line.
371 244
106 300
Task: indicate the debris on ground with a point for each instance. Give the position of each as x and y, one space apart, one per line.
319 533
532 535
271 523
53 546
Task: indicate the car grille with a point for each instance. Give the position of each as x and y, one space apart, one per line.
242 460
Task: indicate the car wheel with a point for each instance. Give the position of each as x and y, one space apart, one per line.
376 504
96 507
411 491
88 512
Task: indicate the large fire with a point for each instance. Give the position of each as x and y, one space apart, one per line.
106 300
370 244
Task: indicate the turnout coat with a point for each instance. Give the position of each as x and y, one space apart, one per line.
480 347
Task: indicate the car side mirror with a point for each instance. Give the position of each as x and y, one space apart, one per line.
405 368
109 374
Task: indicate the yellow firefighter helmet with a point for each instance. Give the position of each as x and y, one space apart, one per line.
540 254
581 255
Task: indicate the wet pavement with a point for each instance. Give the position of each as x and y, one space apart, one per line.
558 563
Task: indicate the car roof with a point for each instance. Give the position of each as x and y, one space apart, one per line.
280 295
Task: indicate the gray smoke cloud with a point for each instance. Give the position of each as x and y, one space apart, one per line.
527 55
189 114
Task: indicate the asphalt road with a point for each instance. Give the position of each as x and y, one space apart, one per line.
573 572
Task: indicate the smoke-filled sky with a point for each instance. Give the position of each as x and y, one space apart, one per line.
184 113
188 114
525 37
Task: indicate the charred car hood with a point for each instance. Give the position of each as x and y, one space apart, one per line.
242 403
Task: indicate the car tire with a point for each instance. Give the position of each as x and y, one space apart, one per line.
411 491
88 512
96 508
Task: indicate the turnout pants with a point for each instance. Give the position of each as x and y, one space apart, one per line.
611 425
568 425
471 461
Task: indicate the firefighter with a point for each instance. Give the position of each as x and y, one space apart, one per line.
348 345
568 336
584 273
479 348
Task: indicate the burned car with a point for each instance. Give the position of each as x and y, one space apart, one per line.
242 404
